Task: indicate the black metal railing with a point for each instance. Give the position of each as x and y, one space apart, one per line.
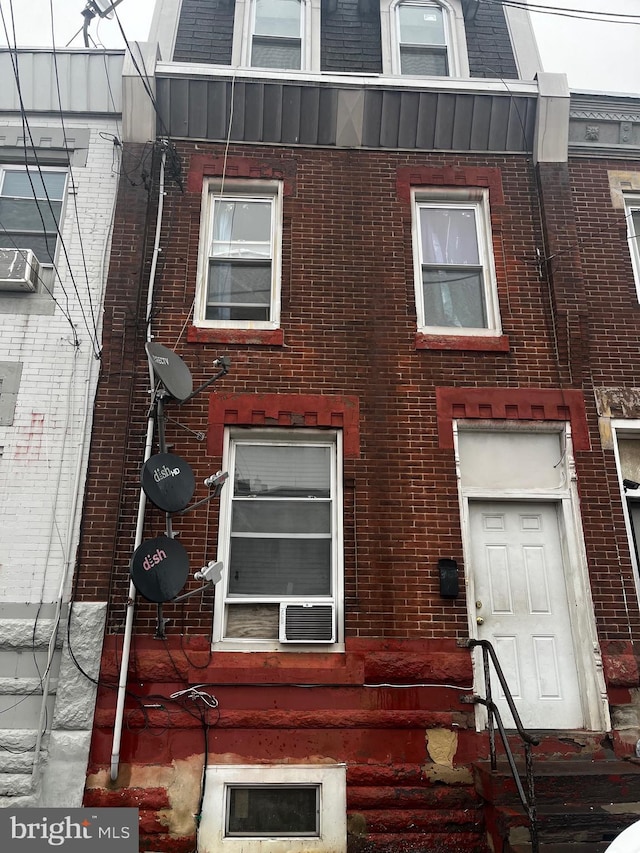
494 719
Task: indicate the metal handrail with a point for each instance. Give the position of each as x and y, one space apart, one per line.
528 800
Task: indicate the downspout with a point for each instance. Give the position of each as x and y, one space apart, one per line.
142 501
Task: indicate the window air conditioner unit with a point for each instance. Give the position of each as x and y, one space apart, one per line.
19 270
307 623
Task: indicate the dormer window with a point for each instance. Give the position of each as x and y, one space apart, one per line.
277 34
423 38
276 37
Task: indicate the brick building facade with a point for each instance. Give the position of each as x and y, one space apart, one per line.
419 424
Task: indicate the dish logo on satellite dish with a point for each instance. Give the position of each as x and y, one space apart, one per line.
152 560
160 474
159 359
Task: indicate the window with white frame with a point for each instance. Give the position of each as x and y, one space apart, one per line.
245 805
628 457
280 539
423 38
239 274
31 202
277 34
453 260
632 213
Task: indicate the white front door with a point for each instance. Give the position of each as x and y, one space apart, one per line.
521 606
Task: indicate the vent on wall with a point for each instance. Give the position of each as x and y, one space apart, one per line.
19 270
307 623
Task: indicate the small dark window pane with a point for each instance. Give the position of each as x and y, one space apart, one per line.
280 567
255 516
423 62
454 297
275 810
27 215
282 471
276 53
239 291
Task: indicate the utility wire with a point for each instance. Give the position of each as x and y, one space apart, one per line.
566 12
94 340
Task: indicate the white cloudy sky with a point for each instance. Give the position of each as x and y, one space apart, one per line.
595 55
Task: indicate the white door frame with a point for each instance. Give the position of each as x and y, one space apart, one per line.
585 639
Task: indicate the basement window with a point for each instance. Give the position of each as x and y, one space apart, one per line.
248 808
277 811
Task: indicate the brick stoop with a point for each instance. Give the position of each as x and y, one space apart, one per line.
582 805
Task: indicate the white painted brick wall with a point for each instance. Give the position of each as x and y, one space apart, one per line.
41 449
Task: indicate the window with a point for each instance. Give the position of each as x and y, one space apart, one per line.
239 276
10 374
279 539
632 213
30 210
627 448
246 805
453 259
279 34
276 35
272 810
421 39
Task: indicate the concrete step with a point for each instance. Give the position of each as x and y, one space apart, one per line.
567 781
567 824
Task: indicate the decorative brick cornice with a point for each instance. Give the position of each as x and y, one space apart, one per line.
203 166
520 404
284 410
450 176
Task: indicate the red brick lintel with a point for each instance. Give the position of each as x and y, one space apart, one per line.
450 176
531 404
284 410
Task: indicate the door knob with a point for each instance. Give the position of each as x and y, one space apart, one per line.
479 620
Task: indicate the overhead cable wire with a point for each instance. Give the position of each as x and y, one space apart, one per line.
567 12
94 339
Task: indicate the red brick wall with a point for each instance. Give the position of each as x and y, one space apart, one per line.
348 320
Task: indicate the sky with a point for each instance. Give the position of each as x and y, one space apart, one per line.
596 55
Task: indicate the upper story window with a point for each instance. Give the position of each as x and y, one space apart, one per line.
453 260
30 209
423 38
239 269
276 37
278 34
632 213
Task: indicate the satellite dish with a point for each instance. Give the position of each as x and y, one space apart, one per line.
159 569
168 481
171 370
